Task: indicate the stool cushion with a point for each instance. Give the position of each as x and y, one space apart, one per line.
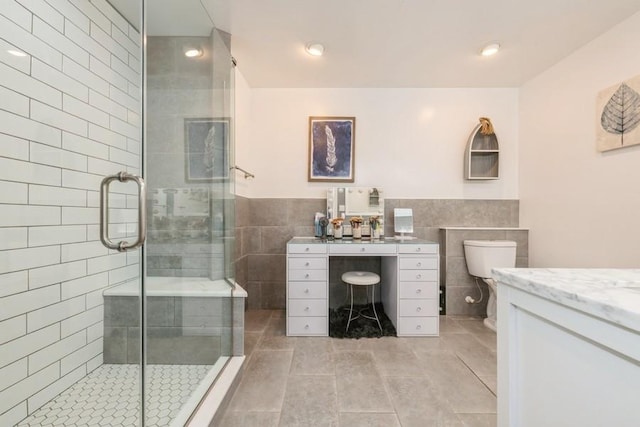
363 278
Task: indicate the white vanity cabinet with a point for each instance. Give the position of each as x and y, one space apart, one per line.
418 290
568 347
307 290
409 287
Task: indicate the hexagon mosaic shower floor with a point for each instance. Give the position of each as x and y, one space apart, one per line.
109 396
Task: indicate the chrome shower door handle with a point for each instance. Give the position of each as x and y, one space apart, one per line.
104 211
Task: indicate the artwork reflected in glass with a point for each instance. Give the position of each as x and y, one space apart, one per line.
331 149
206 154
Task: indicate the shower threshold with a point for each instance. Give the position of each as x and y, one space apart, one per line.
110 395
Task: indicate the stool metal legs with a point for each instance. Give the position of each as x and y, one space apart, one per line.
373 305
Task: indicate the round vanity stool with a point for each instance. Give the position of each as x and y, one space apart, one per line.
362 278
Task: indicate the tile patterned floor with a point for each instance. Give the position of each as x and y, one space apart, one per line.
388 382
109 396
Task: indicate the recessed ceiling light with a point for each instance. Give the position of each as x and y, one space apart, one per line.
315 49
192 52
16 53
490 49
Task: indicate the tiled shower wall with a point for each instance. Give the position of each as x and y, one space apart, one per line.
181 88
263 227
69 114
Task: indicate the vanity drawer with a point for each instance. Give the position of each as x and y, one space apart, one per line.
303 326
418 275
418 307
307 307
308 275
417 263
407 248
418 325
411 290
362 248
307 263
296 248
301 290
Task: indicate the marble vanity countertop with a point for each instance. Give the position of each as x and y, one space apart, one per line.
366 241
486 228
608 294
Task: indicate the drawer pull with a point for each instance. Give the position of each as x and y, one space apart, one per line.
306 326
306 249
418 327
307 308
306 264
362 250
306 276
418 276
419 309
419 264
418 249
418 291
306 291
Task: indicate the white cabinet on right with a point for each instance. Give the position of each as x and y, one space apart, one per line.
418 290
568 347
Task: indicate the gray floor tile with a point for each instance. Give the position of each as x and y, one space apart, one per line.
355 363
418 403
313 356
346 344
362 394
398 363
256 320
350 419
263 383
389 381
250 342
463 390
276 342
310 401
491 382
276 326
480 358
250 419
449 325
478 420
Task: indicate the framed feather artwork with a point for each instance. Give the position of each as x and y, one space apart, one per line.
618 116
331 149
206 142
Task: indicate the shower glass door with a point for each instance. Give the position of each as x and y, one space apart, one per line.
103 116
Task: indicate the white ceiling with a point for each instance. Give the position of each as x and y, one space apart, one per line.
392 43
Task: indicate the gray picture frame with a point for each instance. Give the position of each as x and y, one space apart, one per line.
206 149
331 149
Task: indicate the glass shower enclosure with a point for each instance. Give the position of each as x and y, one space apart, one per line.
116 211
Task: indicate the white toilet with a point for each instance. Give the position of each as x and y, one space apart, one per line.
482 256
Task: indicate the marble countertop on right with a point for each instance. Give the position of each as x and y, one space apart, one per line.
608 294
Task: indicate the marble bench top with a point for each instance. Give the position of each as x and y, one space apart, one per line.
609 294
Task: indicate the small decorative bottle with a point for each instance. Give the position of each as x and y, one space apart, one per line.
337 228
356 229
374 222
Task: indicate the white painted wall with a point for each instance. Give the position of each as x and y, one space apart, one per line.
243 126
583 207
410 142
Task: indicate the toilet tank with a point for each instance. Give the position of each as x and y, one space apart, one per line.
483 255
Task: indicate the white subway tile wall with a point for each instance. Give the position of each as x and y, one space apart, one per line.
69 114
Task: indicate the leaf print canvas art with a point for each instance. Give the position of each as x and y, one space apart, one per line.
618 116
331 149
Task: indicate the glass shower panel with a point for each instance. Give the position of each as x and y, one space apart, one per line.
70 114
189 249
